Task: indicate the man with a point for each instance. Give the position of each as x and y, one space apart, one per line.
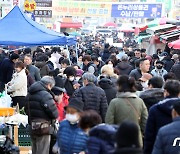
106 52
176 69
6 69
154 94
88 64
160 114
41 107
137 56
93 97
99 64
144 65
159 69
166 139
33 70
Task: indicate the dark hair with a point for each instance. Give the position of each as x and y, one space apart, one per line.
94 58
28 55
169 76
42 57
19 64
27 51
126 84
143 50
128 135
176 107
156 82
89 119
172 87
65 61
142 60
86 57
14 56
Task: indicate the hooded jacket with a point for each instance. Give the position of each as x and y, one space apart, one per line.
124 68
159 115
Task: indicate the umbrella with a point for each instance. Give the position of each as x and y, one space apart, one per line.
110 24
175 44
75 34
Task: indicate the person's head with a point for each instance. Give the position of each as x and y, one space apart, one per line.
95 60
172 88
124 58
127 135
159 64
80 58
169 76
126 84
159 51
144 65
143 53
28 59
76 66
19 66
65 63
58 92
176 109
88 78
110 62
86 59
14 57
89 119
107 70
73 110
137 53
70 73
155 82
48 81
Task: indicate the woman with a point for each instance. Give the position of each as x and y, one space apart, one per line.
72 139
17 87
127 106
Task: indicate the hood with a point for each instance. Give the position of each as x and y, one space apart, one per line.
36 87
40 64
154 92
166 105
123 65
126 95
105 83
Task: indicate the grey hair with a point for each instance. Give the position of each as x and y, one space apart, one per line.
89 76
48 80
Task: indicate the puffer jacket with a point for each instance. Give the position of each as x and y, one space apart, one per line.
165 138
136 74
159 115
40 104
108 87
127 106
176 70
94 98
124 68
43 67
71 139
18 85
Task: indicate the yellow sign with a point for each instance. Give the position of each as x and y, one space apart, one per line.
29 5
81 8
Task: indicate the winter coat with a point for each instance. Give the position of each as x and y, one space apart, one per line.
168 63
108 87
124 68
101 64
41 103
43 67
127 106
18 85
159 115
6 70
68 85
152 96
94 98
129 150
176 70
34 72
165 138
160 73
106 55
136 73
102 139
71 139
91 68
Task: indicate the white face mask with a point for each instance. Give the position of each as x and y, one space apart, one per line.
72 118
71 78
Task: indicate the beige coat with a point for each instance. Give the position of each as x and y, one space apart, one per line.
18 84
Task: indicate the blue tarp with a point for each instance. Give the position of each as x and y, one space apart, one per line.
19 30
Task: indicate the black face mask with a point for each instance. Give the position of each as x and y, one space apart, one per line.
159 66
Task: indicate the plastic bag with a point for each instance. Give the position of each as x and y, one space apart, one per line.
5 100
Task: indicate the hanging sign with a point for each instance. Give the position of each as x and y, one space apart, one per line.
29 5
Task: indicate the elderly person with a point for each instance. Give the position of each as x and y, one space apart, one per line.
41 110
127 106
17 87
92 96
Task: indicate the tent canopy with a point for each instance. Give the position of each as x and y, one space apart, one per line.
175 44
19 30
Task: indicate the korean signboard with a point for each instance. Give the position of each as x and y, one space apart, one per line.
29 5
80 8
139 10
44 3
43 13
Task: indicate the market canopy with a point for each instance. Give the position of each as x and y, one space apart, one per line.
175 44
19 30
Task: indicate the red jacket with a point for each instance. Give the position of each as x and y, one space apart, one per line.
61 105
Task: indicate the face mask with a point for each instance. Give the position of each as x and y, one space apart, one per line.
71 78
159 67
72 118
145 85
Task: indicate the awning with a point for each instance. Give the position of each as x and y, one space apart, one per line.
70 24
175 44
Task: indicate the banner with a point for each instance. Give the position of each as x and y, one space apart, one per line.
138 10
44 3
80 8
43 13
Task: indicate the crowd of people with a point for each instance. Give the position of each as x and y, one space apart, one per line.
98 99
